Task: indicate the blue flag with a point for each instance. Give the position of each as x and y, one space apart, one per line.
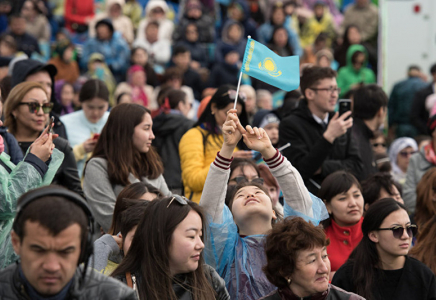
263 64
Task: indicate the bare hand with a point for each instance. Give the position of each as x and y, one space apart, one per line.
232 129
89 145
257 139
43 146
338 126
119 239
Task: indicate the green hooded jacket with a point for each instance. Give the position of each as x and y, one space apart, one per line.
349 76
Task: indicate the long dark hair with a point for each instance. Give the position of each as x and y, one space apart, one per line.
336 183
148 256
272 44
365 256
116 146
207 119
341 53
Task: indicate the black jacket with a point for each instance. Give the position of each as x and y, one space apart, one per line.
97 287
67 174
184 293
310 151
26 67
192 79
418 114
223 73
362 135
332 293
417 282
168 130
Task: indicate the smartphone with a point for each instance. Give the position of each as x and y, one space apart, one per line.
95 136
51 124
344 106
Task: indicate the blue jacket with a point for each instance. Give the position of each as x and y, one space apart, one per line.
115 51
11 146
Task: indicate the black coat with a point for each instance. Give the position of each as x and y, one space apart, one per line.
168 130
98 287
362 135
67 175
223 73
417 282
310 151
418 114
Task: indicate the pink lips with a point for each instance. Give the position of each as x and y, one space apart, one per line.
251 200
405 245
321 279
196 257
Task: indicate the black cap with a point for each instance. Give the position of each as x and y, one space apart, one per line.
107 22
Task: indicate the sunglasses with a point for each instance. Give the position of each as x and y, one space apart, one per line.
180 199
35 106
375 145
232 95
406 154
398 231
243 179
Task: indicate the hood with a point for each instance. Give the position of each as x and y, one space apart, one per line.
353 49
153 4
396 147
96 56
26 67
109 3
166 124
224 32
260 115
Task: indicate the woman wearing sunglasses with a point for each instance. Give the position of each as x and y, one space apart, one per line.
123 155
198 146
342 194
165 259
379 268
238 229
27 111
400 152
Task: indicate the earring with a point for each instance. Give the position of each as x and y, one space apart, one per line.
289 281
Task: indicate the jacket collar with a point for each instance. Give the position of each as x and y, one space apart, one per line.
289 295
304 112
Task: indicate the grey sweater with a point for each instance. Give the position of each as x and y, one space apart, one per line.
102 195
295 192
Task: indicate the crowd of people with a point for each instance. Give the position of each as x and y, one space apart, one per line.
134 165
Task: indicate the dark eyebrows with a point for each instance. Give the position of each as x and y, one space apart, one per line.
194 229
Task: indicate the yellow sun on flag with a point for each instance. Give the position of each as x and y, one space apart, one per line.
270 67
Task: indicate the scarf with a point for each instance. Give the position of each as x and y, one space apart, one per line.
429 154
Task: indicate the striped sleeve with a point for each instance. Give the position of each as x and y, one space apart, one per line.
221 162
275 161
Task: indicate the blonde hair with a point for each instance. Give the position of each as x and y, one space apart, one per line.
14 99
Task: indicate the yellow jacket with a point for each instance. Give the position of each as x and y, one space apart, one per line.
195 160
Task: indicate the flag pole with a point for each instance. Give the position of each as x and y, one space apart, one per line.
239 83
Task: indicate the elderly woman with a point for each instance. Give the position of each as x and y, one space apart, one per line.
399 154
298 264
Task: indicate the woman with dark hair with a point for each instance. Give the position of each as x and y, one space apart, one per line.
426 198
64 93
424 249
279 42
342 195
122 155
379 267
298 264
238 229
198 147
139 56
165 259
84 126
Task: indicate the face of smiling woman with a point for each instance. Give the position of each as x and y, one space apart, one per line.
143 134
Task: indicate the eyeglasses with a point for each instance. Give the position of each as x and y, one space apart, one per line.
180 199
35 106
375 145
398 231
406 153
243 179
232 95
330 89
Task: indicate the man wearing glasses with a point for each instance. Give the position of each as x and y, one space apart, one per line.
321 142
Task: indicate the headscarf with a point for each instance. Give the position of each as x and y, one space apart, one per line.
396 147
138 94
59 85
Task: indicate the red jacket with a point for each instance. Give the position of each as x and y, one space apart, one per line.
76 11
343 240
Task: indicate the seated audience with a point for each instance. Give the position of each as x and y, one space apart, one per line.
379 186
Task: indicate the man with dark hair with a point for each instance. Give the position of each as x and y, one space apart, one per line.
182 59
25 42
370 108
320 140
400 102
50 234
379 186
418 112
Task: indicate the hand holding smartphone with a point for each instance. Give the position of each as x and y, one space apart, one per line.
344 106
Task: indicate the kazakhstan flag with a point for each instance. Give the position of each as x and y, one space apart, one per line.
263 64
